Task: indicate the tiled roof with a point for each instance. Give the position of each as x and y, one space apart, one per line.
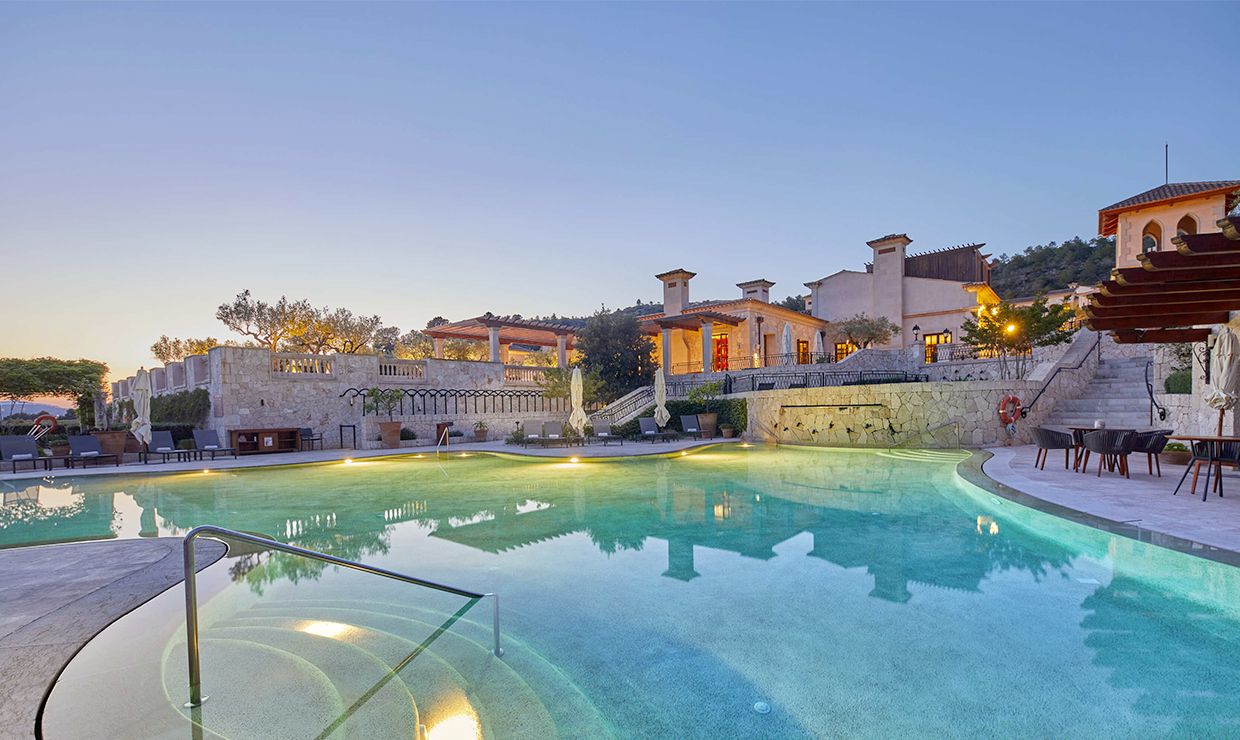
1173 190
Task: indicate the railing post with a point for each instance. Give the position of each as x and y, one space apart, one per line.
499 651
191 625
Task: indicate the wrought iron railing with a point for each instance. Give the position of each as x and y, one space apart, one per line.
817 379
1149 389
736 364
622 408
1095 350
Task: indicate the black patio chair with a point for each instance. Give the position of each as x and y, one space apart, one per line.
650 430
84 448
207 441
161 444
306 435
603 433
1112 446
1151 444
20 448
689 425
1049 439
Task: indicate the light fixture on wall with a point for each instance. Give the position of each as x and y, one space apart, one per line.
916 332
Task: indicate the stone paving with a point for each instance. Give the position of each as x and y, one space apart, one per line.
57 597
1143 499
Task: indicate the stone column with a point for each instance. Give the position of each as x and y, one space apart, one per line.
707 346
493 333
438 348
503 353
561 350
667 352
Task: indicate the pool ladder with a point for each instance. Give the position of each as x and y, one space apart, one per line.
191 591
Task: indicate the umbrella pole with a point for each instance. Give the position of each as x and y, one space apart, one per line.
1220 422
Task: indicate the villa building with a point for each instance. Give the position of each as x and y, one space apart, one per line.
928 296
1147 222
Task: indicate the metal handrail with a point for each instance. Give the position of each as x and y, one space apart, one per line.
191 591
1097 347
1149 388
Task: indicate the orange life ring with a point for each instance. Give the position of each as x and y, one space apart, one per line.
1009 409
38 421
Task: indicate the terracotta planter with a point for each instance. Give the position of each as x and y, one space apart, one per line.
112 443
1175 457
709 424
480 435
59 450
389 433
728 432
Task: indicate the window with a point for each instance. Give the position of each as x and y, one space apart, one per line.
932 345
1151 237
1187 225
803 352
719 343
844 349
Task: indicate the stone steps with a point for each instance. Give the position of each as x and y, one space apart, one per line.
1116 395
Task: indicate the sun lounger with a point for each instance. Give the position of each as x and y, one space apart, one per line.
531 433
603 433
19 449
689 425
553 433
650 430
162 445
207 441
84 448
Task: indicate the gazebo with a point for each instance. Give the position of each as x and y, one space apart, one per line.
501 331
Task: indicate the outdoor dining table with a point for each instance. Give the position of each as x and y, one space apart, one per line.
1214 456
1078 448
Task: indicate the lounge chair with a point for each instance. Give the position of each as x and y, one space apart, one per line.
531 432
306 434
553 433
1049 439
650 430
161 444
1112 446
689 425
84 448
208 441
603 433
1151 444
20 448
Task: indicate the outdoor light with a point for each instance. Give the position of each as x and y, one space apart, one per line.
1010 329
573 460
916 331
348 461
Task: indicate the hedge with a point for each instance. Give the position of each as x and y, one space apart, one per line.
731 411
1179 382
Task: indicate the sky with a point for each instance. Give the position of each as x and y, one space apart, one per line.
418 159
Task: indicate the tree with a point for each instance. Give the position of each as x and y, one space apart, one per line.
413 345
1011 333
174 349
1051 266
270 324
862 330
556 382
794 302
613 345
437 321
81 380
348 334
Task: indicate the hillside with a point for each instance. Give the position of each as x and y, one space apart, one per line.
1051 266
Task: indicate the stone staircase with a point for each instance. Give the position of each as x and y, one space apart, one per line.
1117 395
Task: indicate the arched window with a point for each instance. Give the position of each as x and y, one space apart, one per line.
1151 237
1187 225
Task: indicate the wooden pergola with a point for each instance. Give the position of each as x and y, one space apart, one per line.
501 331
1173 296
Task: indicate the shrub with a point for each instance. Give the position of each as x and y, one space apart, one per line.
1179 382
185 407
1175 447
733 412
407 433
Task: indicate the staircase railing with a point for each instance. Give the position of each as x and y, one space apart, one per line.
1096 349
191 591
1149 388
619 411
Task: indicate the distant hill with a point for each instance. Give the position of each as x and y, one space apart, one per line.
1046 267
30 407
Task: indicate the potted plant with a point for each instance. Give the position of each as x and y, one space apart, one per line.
1175 453
480 431
727 430
57 444
704 396
386 401
112 441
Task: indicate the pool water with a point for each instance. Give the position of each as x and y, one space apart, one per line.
785 592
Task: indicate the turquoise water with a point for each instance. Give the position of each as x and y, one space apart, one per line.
854 593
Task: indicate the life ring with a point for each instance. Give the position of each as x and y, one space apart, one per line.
1009 409
46 421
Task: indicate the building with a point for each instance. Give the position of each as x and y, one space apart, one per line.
729 335
1147 222
928 296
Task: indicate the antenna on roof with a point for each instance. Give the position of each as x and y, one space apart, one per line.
1166 164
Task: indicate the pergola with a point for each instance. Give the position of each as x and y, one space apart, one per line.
703 321
501 331
1173 294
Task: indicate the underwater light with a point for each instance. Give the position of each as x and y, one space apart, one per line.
348 461
456 727
325 629
762 707
573 460
683 453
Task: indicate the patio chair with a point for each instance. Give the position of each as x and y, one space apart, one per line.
161 444
650 430
531 432
208 441
689 425
1151 444
1049 439
306 434
603 433
84 448
1204 453
1112 446
20 448
553 433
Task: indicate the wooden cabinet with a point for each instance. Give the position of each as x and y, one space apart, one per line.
260 441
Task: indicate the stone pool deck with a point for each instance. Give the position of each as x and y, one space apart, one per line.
1144 500
628 449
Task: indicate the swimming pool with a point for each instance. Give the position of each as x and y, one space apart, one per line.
731 592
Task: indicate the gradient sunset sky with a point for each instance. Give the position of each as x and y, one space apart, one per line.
420 159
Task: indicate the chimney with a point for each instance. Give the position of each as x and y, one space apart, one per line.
887 288
809 304
675 290
759 290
